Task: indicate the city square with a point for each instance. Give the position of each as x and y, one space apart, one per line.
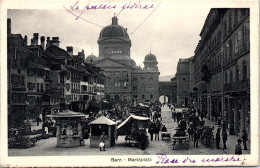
64 102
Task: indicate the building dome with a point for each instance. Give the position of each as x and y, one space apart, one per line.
114 30
150 57
91 57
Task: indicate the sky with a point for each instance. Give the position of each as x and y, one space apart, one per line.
171 29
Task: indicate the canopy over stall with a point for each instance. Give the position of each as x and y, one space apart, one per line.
69 129
180 110
132 123
99 125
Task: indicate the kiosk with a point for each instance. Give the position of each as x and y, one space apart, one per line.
69 129
99 125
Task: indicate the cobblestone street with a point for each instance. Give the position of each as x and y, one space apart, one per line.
47 147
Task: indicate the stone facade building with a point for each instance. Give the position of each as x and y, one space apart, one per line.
222 68
44 79
125 78
184 77
169 89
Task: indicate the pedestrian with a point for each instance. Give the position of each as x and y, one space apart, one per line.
157 130
224 126
102 144
224 138
196 137
151 131
38 120
245 138
189 132
219 121
218 138
238 150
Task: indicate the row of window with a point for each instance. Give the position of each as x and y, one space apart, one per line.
144 88
143 78
38 72
17 80
38 86
235 74
18 97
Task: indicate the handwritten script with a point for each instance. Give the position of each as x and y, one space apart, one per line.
164 159
77 10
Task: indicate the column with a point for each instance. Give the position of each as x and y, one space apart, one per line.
236 113
243 119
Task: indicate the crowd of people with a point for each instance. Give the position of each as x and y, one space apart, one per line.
197 131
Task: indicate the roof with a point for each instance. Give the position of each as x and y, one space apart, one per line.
133 117
114 31
150 57
58 52
67 114
103 120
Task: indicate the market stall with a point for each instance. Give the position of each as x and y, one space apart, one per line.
69 128
134 127
100 125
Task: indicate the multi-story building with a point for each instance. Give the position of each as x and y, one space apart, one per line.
183 77
125 79
222 68
44 79
168 89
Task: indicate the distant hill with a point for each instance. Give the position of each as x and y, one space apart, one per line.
166 78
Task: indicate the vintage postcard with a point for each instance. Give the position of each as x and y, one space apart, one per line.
129 83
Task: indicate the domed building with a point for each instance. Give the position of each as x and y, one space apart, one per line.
91 58
125 78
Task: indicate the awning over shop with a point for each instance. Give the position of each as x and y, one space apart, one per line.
133 117
126 125
103 120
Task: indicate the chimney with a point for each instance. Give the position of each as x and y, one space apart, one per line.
35 38
81 55
70 50
32 42
43 42
25 40
9 28
48 42
55 41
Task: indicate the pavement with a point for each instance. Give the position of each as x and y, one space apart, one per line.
47 147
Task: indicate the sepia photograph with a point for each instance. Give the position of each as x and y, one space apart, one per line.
138 83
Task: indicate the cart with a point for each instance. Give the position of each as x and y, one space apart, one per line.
180 142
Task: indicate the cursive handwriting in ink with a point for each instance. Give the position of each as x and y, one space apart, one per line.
73 7
189 160
222 159
163 159
134 6
107 6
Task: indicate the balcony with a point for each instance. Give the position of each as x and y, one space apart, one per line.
239 86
